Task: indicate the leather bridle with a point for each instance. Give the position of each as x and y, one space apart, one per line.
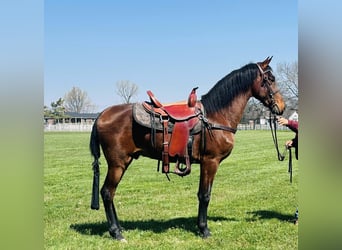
281 156
266 82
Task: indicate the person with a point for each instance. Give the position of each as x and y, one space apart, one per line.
293 125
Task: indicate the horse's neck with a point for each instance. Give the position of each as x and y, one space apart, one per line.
232 115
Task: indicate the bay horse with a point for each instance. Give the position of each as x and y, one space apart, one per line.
122 139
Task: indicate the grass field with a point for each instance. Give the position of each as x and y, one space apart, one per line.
251 205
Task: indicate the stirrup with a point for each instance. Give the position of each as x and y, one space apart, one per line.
183 171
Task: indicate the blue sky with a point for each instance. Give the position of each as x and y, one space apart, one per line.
168 47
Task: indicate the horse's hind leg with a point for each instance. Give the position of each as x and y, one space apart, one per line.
108 190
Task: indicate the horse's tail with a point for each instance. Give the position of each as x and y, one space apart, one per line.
95 152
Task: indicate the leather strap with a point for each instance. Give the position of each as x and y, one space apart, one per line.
165 154
222 127
290 164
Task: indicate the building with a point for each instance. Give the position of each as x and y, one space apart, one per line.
74 118
72 121
294 116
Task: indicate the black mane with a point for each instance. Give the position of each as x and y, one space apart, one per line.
225 90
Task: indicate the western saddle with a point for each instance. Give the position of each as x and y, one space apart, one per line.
178 142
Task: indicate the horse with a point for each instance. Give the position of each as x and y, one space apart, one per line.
122 139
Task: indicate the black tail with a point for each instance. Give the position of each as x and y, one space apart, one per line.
95 152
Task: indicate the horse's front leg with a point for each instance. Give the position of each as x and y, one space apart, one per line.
208 171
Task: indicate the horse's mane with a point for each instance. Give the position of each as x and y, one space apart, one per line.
226 89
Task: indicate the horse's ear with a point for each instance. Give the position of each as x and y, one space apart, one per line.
266 62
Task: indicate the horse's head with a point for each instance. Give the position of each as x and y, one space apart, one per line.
265 88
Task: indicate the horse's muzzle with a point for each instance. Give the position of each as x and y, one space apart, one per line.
275 110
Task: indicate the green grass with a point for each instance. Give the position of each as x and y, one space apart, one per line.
251 205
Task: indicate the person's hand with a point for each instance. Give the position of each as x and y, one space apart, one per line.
282 121
288 144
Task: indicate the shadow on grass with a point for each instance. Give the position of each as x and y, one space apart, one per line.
156 226
267 215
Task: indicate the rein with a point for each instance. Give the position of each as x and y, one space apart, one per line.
281 157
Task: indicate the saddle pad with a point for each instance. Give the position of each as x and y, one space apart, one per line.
144 118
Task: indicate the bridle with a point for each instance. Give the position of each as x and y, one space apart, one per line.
266 82
281 157
273 125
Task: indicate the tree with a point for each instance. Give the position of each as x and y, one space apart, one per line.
47 112
126 90
253 111
78 101
57 110
287 78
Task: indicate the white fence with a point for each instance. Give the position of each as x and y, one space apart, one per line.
259 127
86 127
68 127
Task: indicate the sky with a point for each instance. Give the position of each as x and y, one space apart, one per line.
167 47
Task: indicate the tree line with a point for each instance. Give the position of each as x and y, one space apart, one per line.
78 101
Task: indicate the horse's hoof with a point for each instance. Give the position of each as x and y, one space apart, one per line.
123 240
116 234
205 233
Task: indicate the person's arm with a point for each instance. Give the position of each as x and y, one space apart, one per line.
293 125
